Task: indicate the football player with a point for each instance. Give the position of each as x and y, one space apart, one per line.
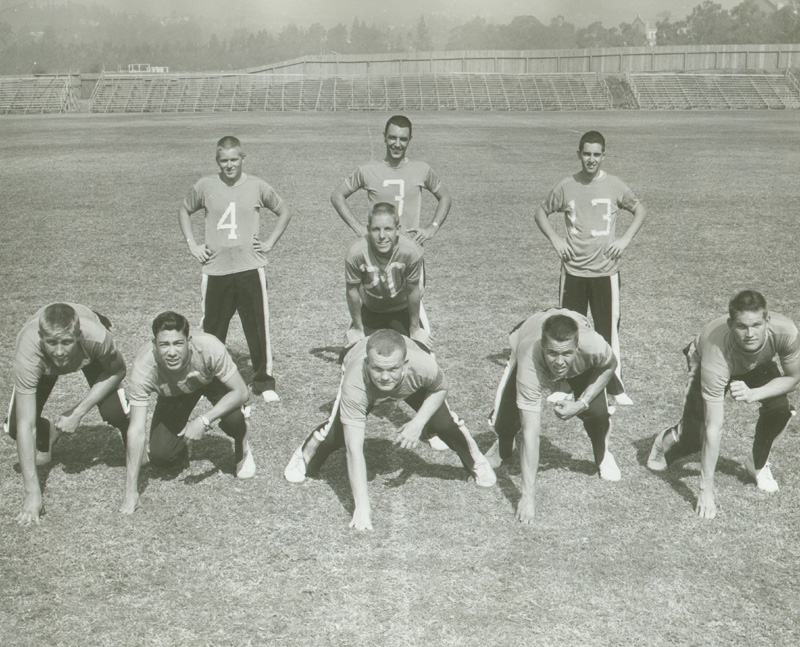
557 349
396 180
386 367
382 274
233 256
591 253
734 354
179 368
61 338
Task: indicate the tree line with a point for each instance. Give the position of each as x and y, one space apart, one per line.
68 37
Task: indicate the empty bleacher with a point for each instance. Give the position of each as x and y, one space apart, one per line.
232 92
664 91
36 94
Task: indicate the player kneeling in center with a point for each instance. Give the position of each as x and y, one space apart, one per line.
180 368
549 349
386 366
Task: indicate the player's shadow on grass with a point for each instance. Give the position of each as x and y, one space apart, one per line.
677 472
501 359
330 354
551 457
214 448
384 457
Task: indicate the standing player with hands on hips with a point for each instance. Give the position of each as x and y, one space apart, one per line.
591 253
233 256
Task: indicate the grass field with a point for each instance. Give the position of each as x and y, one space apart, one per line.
90 213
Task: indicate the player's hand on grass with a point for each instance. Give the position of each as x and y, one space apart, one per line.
31 509
706 507
566 409
409 435
352 336
526 508
563 250
741 392
194 430
201 252
130 503
361 520
615 249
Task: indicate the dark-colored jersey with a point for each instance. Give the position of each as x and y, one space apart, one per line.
233 220
401 186
532 372
722 358
383 284
359 395
590 212
31 363
208 359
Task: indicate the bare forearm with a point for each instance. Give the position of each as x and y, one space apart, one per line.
105 385
284 216
543 222
600 382
773 388
354 306
339 202
529 456
639 214
185 221
414 300
26 450
442 208
429 407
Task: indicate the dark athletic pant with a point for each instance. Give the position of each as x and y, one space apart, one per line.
111 408
329 436
171 415
397 320
507 422
773 416
601 295
245 293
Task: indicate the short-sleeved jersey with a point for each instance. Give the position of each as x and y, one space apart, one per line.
359 395
383 285
590 214
721 358
532 373
31 363
401 186
233 219
208 359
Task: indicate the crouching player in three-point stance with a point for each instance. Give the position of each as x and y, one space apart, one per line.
551 348
180 368
386 366
734 353
60 339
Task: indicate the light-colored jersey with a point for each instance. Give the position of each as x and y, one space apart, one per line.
532 373
31 363
383 284
208 359
232 215
721 358
401 186
590 214
359 395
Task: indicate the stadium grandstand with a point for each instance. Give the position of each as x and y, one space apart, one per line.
37 94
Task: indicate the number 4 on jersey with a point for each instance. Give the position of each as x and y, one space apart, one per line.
228 221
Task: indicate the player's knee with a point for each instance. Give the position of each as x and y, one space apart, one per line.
166 449
234 425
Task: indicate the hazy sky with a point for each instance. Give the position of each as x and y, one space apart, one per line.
329 12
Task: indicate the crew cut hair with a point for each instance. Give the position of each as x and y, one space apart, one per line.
228 142
60 317
747 301
385 342
560 328
384 208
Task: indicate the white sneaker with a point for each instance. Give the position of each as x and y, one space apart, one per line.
43 458
623 399
608 468
270 396
484 474
246 468
295 471
493 455
657 461
764 479
438 444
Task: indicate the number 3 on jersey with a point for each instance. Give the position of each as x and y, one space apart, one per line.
401 193
228 221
